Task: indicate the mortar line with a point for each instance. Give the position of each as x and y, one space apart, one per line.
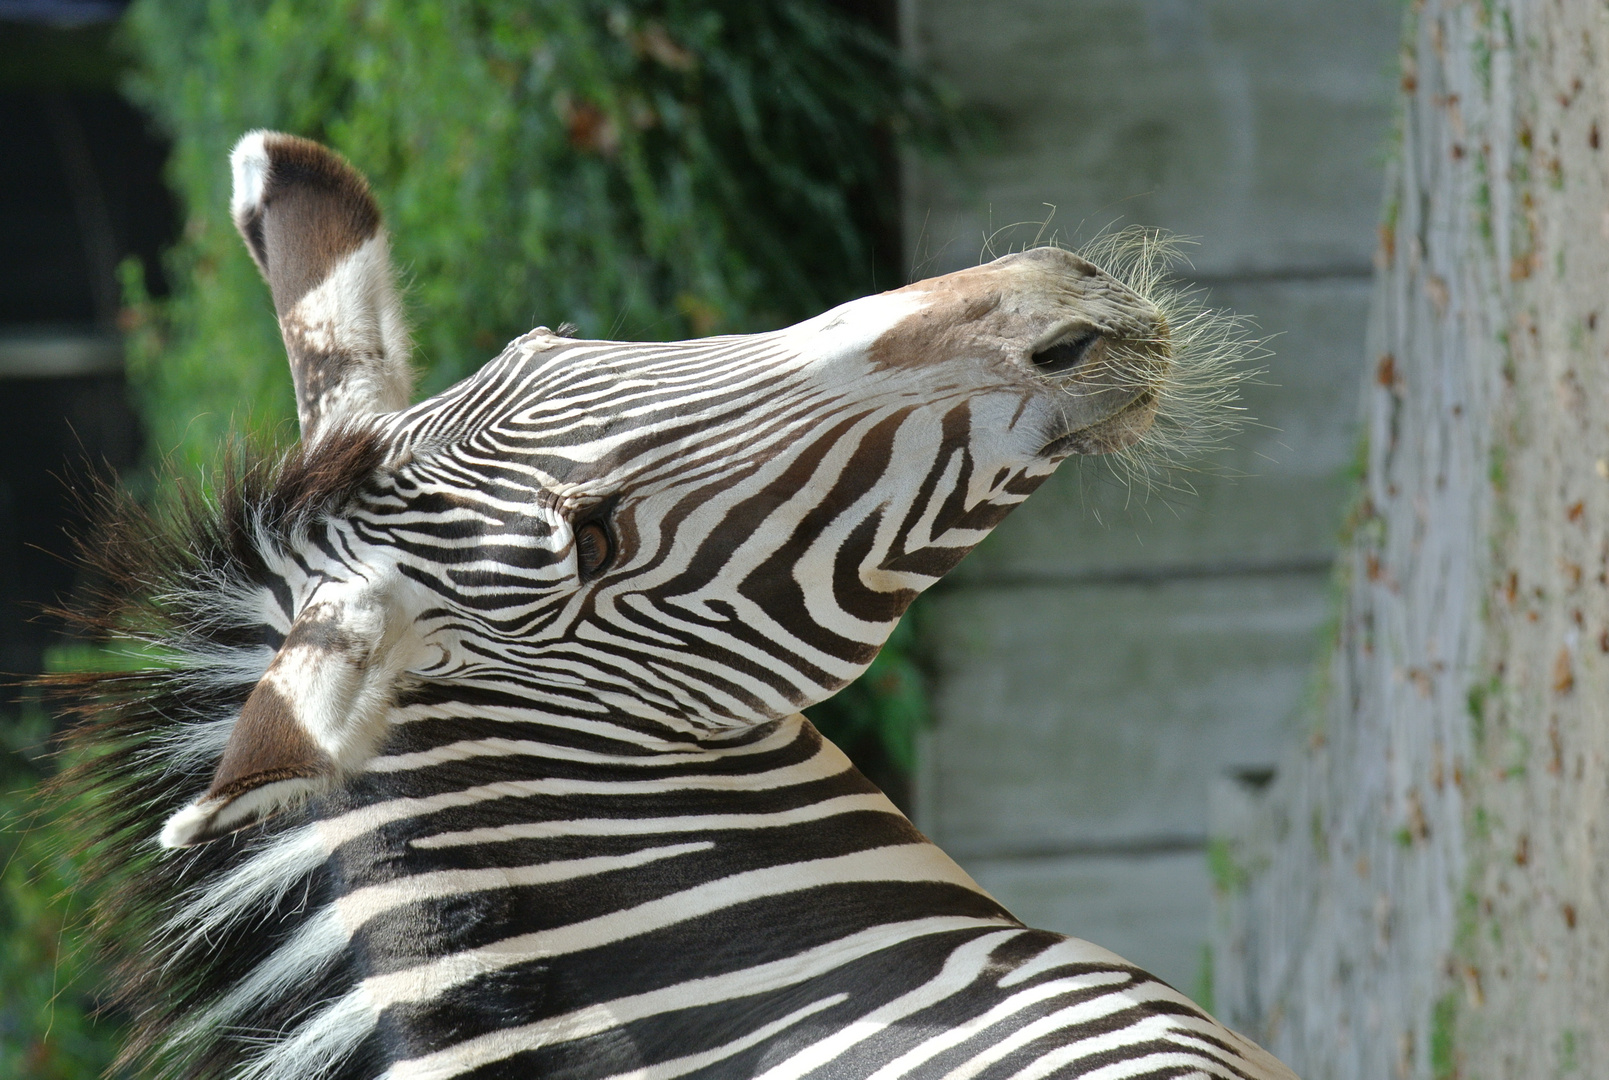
1131 847
1140 575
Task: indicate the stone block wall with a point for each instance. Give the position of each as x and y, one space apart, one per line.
1106 657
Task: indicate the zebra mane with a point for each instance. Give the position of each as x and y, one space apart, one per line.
192 582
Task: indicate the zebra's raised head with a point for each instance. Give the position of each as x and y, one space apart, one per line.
482 732
700 536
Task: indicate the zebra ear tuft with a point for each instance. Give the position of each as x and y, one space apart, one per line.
313 228
248 163
317 714
209 818
270 762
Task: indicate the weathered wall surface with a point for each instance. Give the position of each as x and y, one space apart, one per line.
1423 890
1102 659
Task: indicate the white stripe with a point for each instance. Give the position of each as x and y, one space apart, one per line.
670 754
761 979
361 905
319 1045
926 1051
1074 951
1151 1027
540 830
1139 1065
681 1066
907 862
315 945
960 971
257 884
355 823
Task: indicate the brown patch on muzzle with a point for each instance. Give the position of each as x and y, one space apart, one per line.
1055 326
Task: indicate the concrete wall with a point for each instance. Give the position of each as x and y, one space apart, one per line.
1424 890
1103 658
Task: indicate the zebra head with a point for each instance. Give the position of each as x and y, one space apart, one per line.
507 682
680 539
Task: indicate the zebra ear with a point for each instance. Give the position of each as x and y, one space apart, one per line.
318 712
314 229
270 762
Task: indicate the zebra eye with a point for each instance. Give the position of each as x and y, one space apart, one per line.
1064 356
592 548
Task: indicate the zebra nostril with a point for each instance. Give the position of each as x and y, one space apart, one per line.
1064 356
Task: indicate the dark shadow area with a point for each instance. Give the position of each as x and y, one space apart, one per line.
81 191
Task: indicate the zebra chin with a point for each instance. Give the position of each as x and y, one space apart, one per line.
1121 430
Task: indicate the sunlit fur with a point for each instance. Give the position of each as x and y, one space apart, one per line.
445 800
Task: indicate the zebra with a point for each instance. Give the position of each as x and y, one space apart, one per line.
475 745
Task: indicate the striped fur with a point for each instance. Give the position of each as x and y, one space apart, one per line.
481 748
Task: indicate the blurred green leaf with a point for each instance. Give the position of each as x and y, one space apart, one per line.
48 1024
646 169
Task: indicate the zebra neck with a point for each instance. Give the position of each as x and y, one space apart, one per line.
533 850
504 905
531 789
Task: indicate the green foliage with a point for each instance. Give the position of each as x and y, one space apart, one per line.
1497 467
48 1026
885 707
1228 876
1569 1059
649 168
1475 704
35 57
1444 1038
1205 989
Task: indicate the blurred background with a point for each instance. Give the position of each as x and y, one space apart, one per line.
1062 712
